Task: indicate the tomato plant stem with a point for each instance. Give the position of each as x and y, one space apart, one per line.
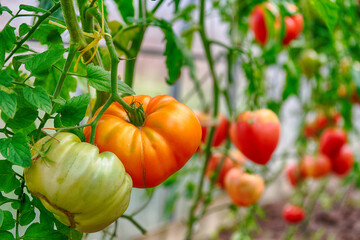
32 30
133 221
97 118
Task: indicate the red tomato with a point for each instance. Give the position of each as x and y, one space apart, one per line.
151 153
343 161
331 140
220 133
293 214
294 174
293 27
234 159
256 134
293 24
315 166
244 189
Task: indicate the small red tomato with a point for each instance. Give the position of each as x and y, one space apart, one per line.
310 130
293 27
234 159
343 161
244 189
294 174
293 214
331 140
256 134
258 24
315 166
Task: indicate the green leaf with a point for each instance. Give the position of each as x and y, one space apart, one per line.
46 217
126 9
23 118
27 213
8 222
173 53
2 198
4 235
74 110
17 61
100 79
24 29
41 63
1 217
37 231
17 151
30 8
48 34
16 205
7 38
8 102
355 73
38 97
328 11
2 57
5 79
6 9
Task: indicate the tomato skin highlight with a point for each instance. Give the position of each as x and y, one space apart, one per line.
343 161
256 134
293 214
84 190
244 189
331 140
234 159
315 166
151 153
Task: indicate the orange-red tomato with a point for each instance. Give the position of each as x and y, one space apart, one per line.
343 161
234 159
315 166
244 189
294 174
151 153
220 133
256 134
331 140
293 24
293 214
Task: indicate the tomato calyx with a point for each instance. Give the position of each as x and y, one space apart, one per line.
137 115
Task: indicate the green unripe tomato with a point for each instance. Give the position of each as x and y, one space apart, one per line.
82 188
309 62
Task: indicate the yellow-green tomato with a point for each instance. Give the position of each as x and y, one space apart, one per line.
82 188
310 62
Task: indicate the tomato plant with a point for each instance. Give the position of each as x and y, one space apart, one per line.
316 166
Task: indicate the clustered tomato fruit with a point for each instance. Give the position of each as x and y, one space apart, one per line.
256 134
294 174
315 166
313 129
293 214
234 159
82 188
169 136
221 128
293 24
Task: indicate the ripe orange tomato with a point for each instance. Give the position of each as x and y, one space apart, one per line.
315 166
150 153
256 134
331 140
244 189
294 174
220 133
234 159
343 161
293 214
293 24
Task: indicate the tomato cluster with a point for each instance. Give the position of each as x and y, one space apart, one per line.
293 24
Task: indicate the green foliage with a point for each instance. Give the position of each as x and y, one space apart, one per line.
126 9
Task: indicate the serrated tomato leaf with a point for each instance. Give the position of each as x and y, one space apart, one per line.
38 97
23 118
5 235
100 79
7 38
8 221
74 110
41 63
126 9
30 8
37 231
16 150
328 11
8 102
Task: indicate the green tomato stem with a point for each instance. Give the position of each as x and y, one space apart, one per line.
133 221
33 29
